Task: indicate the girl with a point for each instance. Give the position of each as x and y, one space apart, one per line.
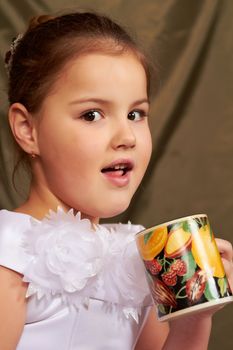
79 101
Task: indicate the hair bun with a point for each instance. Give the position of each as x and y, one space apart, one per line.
36 20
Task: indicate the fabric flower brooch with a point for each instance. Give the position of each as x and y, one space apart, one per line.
71 258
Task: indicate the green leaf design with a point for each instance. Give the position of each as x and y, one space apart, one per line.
191 266
161 309
182 290
176 226
222 285
147 236
211 292
187 226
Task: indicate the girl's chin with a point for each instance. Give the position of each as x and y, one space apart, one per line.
105 209
114 211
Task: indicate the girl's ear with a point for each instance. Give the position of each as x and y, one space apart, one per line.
23 128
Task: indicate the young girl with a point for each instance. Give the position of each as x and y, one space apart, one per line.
79 101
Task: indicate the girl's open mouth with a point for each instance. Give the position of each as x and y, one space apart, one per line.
118 172
119 169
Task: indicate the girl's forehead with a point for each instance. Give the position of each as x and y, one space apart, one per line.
101 67
114 79
102 57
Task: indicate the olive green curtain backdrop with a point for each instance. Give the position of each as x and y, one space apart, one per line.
191 117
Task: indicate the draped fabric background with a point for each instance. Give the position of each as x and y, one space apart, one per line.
191 116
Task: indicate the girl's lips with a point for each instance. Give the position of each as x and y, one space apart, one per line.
117 178
118 172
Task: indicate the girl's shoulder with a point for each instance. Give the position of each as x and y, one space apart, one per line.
11 217
12 228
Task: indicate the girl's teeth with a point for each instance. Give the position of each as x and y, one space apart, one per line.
117 167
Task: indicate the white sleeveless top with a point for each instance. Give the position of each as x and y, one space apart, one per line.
87 287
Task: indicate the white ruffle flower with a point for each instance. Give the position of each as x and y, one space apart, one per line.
71 258
123 272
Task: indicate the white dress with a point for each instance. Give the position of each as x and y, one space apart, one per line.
87 288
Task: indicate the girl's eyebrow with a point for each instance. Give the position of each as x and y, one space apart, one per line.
139 102
107 102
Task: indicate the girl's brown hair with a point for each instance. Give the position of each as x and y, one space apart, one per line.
50 42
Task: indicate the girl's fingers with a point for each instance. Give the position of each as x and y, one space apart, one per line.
225 249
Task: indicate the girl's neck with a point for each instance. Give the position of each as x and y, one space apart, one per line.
41 200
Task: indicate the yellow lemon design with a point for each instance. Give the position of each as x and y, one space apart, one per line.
205 252
151 247
178 241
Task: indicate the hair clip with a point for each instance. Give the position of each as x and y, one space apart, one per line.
15 42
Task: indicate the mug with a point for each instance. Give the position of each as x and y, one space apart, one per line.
183 267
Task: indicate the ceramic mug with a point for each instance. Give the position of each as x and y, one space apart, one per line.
183 266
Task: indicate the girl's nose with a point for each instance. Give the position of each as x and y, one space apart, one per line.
124 136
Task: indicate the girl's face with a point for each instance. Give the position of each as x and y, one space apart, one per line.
93 137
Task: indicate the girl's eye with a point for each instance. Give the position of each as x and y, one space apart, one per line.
91 116
136 115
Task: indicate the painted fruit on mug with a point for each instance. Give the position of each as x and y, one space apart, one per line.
195 286
152 243
178 241
205 252
183 265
